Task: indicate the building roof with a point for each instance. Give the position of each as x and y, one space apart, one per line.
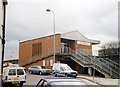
76 35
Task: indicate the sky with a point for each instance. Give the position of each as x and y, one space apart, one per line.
28 19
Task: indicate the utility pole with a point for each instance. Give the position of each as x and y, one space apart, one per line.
3 4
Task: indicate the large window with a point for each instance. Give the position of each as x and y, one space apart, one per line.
12 72
20 72
37 49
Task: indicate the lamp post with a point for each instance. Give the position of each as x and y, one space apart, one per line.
48 10
95 51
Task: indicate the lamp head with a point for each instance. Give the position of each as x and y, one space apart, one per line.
48 10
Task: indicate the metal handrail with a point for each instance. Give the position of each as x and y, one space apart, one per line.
105 69
111 61
69 50
111 66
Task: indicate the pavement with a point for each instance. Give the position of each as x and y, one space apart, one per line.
102 81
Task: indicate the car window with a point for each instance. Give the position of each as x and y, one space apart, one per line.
42 83
20 72
36 67
39 67
32 67
12 72
68 84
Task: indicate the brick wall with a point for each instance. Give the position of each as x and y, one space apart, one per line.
26 48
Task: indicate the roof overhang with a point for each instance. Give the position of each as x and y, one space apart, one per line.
75 35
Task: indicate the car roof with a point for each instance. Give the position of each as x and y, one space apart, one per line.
65 79
14 68
35 66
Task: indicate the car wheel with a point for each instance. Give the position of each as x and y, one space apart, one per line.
3 84
40 73
75 76
21 84
30 72
55 74
66 75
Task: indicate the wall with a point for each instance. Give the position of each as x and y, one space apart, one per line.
84 48
26 48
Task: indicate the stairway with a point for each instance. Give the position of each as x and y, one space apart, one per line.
105 66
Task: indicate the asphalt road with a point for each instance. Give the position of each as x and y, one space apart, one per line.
32 80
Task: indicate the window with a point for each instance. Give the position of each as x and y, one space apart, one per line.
20 72
47 63
12 72
51 62
37 49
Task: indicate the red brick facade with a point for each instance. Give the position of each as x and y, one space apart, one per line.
40 51
29 50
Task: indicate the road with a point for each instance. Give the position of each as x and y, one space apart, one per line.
32 80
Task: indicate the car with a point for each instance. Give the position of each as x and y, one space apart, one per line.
60 69
39 70
56 82
14 75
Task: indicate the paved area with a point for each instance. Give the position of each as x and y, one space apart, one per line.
100 80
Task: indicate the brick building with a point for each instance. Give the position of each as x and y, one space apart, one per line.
40 51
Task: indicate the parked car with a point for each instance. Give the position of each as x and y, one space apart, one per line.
61 82
60 69
14 75
39 70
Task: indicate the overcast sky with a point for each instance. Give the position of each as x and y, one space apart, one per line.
28 19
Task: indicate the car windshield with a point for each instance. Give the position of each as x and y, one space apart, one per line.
66 68
39 67
69 84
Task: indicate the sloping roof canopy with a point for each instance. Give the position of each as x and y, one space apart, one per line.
76 35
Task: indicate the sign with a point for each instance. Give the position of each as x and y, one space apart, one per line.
83 43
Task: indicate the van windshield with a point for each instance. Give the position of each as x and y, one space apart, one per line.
66 68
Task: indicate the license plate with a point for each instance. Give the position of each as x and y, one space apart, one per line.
16 78
74 74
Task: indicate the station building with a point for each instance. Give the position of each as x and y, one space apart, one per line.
40 51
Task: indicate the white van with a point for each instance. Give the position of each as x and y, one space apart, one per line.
63 69
14 75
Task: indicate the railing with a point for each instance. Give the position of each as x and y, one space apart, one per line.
112 62
103 66
112 65
85 60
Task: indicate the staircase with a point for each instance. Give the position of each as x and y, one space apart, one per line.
105 66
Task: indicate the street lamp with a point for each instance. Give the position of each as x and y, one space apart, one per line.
48 10
94 59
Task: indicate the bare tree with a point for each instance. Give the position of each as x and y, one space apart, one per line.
110 50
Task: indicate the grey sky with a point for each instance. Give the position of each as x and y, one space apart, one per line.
28 19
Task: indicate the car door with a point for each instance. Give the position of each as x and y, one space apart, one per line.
33 69
21 74
36 70
12 75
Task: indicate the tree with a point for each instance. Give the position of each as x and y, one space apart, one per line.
110 50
